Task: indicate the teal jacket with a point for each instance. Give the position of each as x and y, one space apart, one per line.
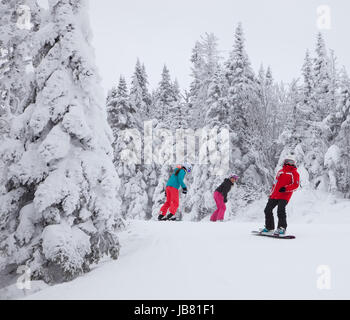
177 181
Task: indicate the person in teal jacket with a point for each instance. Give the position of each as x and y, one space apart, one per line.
172 192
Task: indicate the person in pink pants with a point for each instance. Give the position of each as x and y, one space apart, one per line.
220 197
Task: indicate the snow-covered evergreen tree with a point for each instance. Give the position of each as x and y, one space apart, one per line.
217 111
60 212
268 117
120 112
308 85
242 102
322 94
181 112
337 159
123 117
205 59
240 78
15 44
167 100
140 98
313 118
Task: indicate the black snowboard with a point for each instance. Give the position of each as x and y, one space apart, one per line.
288 236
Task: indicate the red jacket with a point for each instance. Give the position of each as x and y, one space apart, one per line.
287 177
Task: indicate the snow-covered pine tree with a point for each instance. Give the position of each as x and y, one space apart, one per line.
240 78
266 113
166 100
295 127
308 85
139 202
268 118
337 159
217 112
331 125
275 111
140 98
323 98
15 46
205 59
120 112
122 117
242 102
197 62
323 103
180 117
60 212
299 108
16 80
176 91
312 120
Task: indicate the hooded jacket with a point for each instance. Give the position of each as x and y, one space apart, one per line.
287 177
177 180
224 188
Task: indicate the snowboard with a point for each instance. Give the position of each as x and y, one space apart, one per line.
287 236
172 219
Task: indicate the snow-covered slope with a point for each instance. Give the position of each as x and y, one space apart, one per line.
204 260
189 260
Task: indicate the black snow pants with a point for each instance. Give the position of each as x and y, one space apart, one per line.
281 213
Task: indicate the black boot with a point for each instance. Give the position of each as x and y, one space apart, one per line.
161 217
170 217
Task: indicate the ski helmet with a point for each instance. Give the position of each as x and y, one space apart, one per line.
290 161
234 176
188 167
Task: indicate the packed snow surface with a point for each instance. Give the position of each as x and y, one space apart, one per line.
184 260
223 260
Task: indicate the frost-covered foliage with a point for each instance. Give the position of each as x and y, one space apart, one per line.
15 55
245 114
318 113
140 98
337 160
205 66
16 78
166 105
122 117
61 209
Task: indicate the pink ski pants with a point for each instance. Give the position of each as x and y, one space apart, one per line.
219 213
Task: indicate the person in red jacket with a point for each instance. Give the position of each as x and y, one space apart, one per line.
287 181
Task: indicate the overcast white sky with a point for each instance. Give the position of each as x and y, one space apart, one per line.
164 31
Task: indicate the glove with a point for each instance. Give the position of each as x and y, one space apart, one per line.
283 189
184 190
